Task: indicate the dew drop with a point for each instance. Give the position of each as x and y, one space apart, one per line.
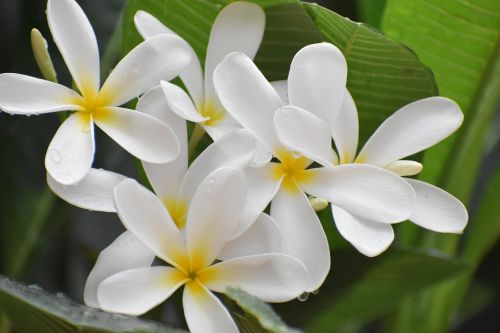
296 154
315 292
86 129
303 297
55 156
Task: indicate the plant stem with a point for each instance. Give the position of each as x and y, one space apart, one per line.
196 136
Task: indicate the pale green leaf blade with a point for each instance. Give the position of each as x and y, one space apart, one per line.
257 316
32 310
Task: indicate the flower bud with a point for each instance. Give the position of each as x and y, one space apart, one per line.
42 57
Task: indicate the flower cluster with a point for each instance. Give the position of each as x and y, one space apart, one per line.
272 147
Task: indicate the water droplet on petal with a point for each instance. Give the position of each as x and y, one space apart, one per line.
55 156
303 297
296 154
315 292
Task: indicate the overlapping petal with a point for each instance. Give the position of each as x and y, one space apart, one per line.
213 215
204 312
179 102
141 135
126 252
94 191
271 277
158 58
22 94
165 178
369 237
345 129
77 43
248 96
137 291
411 129
437 210
234 150
363 190
317 80
263 186
263 236
239 27
71 151
192 76
143 214
303 235
302 131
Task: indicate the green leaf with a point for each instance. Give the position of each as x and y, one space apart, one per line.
383 75
362 289
32 310
459 41
25 225
257 316
371 11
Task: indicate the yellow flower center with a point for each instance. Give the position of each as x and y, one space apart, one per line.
292 169
212 112
92 103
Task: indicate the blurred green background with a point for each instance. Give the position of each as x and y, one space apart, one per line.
48 242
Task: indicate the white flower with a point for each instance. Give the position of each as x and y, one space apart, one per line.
174 184
360 189
71 152
238 27
411 129
211 220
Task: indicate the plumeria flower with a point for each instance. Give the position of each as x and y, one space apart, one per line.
411 129
238 27
174 184
71 151
363 190
212 217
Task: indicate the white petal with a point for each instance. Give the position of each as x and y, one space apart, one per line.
303 235
221 127
192 76
405 168
363 190
77 43
239 27
181 103
94 191
165 178
368 237
281 88
345 130
411 129
22 94
262 187
317 80
143 214
159 58
136 291
271 277
248 96
263 236
213 215
302 131
204 312
140 134
437 210
126 252
71 151
234 150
